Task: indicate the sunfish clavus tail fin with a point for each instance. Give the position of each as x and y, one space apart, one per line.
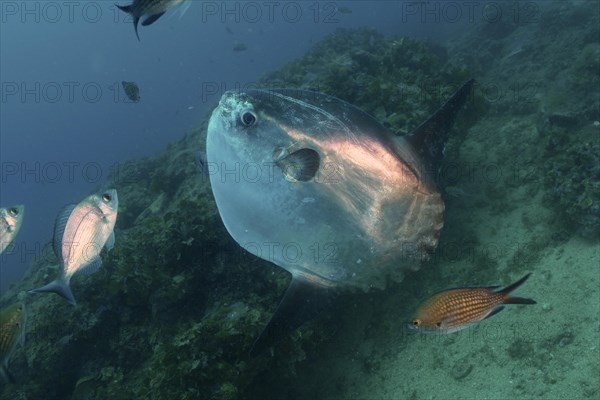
429 139
59 287
303 301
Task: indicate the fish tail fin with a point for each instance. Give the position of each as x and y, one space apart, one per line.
6 375
129 10
58 286
513 299
302 302
136 20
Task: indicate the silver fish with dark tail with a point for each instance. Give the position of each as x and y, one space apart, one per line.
321 189
11 219
151 9
80 232
13 319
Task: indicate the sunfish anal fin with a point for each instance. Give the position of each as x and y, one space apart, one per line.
429 139
303 301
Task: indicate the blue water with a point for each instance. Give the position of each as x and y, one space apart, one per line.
65 122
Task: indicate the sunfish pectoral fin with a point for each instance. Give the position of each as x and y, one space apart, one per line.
152 19
58 286
6 376
429 139
303 301
301 165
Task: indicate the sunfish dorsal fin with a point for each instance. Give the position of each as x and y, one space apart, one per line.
429 139
303 301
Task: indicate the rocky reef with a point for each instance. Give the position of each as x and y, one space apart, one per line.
177 305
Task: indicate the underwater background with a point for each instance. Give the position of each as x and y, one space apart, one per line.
177 304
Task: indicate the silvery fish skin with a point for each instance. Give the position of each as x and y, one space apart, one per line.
11 219
367 209
152 9
13 319
80 233
321 189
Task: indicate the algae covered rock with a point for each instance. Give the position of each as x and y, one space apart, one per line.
177 305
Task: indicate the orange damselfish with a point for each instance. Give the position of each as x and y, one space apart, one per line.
454 309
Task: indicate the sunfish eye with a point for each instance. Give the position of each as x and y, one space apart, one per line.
13 211
247 118
106 197
416 322
438 324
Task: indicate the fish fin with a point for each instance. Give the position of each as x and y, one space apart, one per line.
6 375
59 229
128 9
301 165
110 242
91 267
184 7
59 287
136 20
513 286
302 302
152 19
494 312
519 300
429 139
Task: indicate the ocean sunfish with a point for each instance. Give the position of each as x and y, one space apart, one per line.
321 189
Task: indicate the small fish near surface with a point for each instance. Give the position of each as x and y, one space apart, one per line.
455 309
80 232
11 219
240 47
151 9
132 91
355 200
13 319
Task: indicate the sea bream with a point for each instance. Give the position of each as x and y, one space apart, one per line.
13 319
80 232
11 219
152 10
321 189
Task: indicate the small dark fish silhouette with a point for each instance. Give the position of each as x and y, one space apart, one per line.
131 90
151 9
240 47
